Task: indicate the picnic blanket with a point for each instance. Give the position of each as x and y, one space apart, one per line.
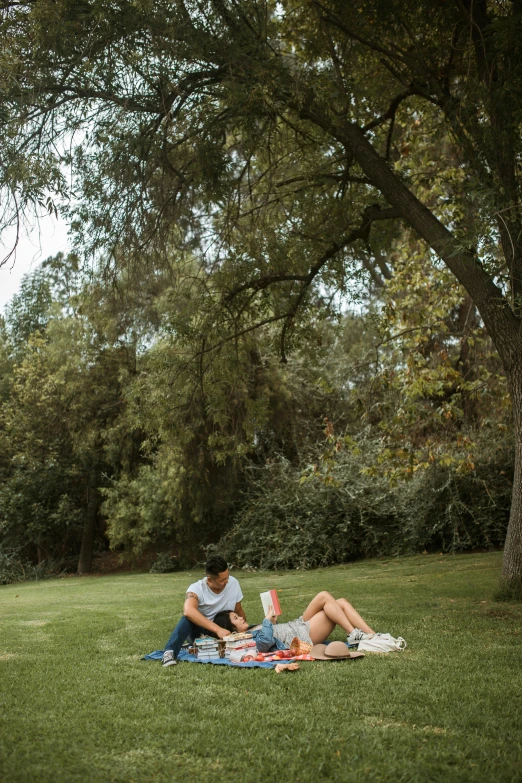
186 656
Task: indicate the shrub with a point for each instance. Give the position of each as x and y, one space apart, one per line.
164 564
14 569
287 523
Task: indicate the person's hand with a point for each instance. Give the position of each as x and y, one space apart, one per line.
271 615
222 632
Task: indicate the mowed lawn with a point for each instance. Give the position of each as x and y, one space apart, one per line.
78 704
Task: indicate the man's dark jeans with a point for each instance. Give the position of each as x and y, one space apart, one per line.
185 629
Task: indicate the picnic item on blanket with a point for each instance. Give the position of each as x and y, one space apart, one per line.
268 599
239 642
247 661
335 651
299 647
382 643
285 656
245 654
206 648
237 637
267 660
286 667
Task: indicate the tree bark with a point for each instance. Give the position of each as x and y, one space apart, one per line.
89 527
512 560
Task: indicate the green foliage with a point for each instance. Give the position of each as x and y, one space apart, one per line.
137 509
167 503
13 569
287 523
39 480
54 282
190 449
198 417
63 396
164 564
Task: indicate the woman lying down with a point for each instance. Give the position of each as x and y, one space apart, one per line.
316 623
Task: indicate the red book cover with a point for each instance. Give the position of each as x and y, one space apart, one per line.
275 602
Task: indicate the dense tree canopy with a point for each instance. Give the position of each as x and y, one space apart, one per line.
277 151
110 436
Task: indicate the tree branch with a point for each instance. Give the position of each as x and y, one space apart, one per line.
370 214
390 112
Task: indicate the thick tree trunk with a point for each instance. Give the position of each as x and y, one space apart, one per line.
512 562
86 551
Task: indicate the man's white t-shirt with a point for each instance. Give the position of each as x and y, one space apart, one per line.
210 603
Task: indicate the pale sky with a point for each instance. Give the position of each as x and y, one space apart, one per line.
45 239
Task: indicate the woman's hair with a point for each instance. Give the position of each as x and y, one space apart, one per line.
223 620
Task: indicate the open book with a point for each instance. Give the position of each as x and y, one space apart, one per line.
270 598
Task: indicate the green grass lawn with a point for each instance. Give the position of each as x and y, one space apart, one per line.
78 704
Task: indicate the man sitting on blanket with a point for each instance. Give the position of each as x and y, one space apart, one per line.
216 592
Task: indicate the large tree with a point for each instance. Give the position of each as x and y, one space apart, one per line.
283 142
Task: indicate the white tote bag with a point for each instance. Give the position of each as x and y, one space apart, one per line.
382 643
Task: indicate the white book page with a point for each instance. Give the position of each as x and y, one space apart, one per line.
266 600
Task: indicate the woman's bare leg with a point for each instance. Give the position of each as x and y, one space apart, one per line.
352 619
353 616
317 604
324 613
320 627
325 603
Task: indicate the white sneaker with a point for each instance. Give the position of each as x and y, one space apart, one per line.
168 658
357 636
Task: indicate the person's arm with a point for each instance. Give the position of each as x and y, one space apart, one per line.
265 636
192 613
239 610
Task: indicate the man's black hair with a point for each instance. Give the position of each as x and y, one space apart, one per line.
215 565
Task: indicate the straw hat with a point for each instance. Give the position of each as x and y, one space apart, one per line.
335 651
